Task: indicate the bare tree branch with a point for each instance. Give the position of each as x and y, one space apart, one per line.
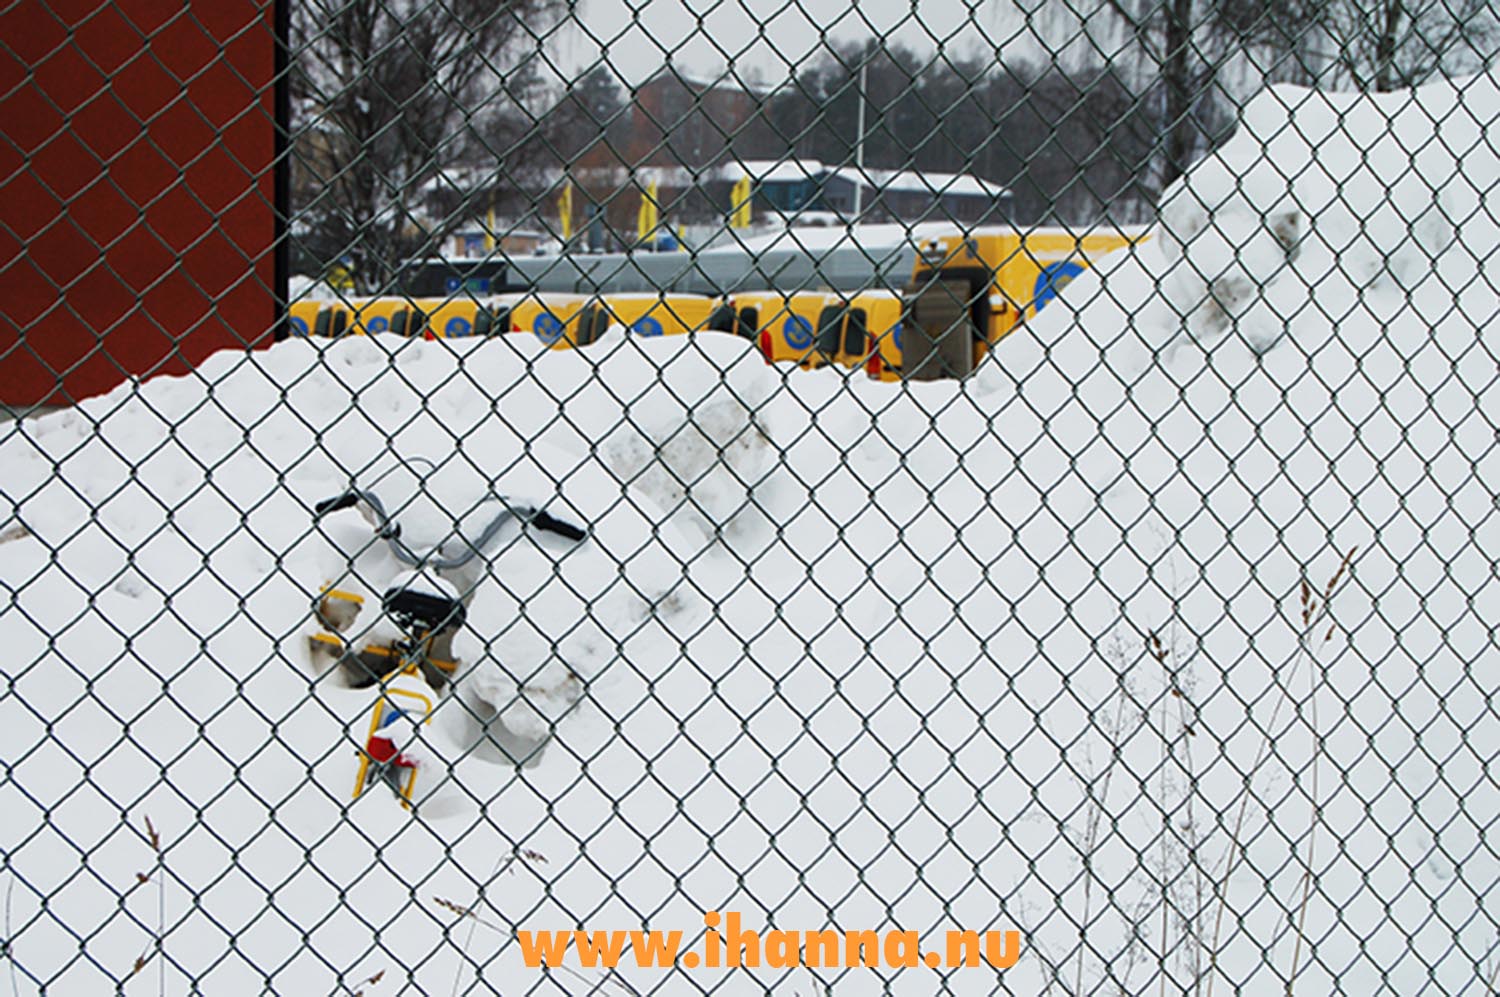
393 94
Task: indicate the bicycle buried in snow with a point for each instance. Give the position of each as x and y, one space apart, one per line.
413 666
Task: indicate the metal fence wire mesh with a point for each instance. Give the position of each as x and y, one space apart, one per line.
856 475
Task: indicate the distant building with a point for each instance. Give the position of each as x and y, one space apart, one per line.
786 186
681 119
800 186
817 193
473 242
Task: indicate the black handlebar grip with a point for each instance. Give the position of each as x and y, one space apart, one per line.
334 504
561 527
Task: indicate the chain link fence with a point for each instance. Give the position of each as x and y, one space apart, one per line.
894 499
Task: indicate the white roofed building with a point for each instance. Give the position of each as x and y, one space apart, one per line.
796 186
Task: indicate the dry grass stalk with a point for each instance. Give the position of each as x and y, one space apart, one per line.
369 983
504 865
10 956
1313 615
157 873
467 912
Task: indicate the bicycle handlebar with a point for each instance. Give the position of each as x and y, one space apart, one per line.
391 532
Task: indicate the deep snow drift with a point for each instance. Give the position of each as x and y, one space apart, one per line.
883 665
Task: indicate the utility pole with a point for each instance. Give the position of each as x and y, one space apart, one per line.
859 144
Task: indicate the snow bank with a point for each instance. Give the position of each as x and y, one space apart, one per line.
1391 181
1296 366
1005 655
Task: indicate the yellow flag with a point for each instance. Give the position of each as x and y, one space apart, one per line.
739 212
649 217
565 210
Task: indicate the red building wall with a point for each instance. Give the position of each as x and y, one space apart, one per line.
138 217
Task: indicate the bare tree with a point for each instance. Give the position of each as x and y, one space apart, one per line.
1187 44
395 100
1386 45
1075 145
1193 48
593 111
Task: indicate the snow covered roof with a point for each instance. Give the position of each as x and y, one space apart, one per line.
727 80
792 170
761 170
459 178
797 170
874 239
937 184
678 177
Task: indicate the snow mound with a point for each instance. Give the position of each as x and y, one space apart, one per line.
1321 207
1388 180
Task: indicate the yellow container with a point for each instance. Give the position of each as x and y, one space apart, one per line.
999 277
1041 263
302 317
453 319
335 318
880 312
659 314
372 315
400 316
1024 270
457 318
860 332
723 317
560 321
785 325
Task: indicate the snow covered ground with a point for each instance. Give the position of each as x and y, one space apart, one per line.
887 663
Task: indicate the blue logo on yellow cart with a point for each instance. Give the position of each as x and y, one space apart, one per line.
457 326
378 324
1053 278
299 327
646 326
547 328
798 332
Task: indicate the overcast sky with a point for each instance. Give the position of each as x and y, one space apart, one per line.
771 38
